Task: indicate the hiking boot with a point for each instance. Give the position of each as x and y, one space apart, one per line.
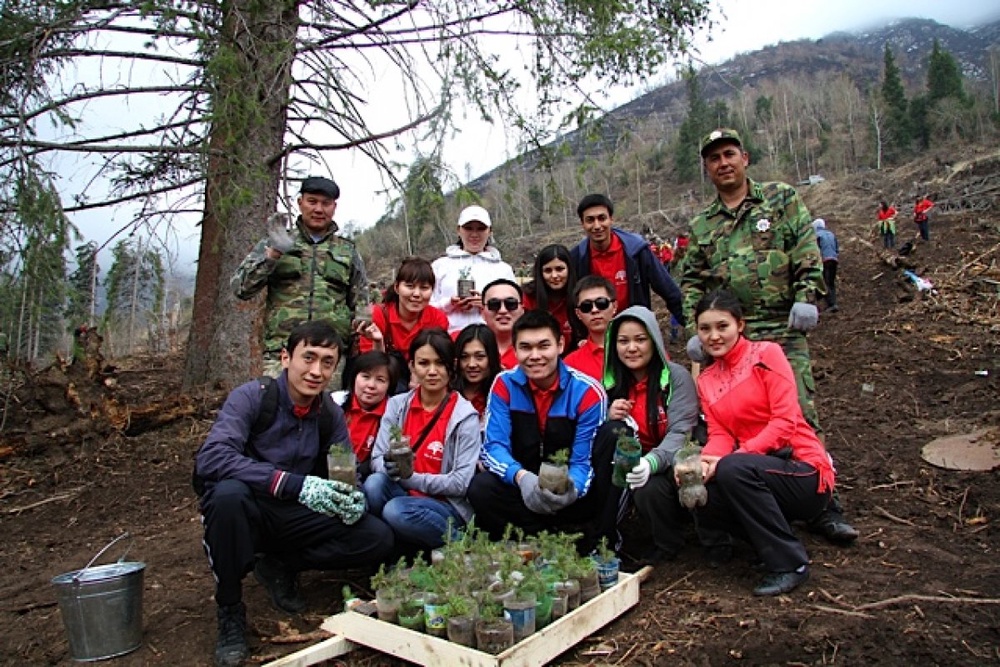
231 648
778 583
281 584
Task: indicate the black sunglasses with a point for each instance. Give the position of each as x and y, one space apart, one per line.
510 303
600 303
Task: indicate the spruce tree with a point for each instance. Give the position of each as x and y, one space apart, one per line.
82 289
894 97
696 125
944 78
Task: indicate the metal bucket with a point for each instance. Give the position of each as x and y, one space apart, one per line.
102 607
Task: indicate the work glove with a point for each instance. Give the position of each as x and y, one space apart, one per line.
639 475
279 238
391 469
555 502
531 494
803 317
332 498
696 352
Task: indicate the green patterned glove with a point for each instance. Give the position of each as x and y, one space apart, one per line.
333 498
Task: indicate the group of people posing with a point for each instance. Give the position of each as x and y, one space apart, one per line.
484 379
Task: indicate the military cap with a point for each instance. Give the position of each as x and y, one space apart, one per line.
716 136
319 185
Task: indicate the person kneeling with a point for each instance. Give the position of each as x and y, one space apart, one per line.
423 496
266 504
535 410
763 464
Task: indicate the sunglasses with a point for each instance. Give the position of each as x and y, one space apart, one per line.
510 303
600 303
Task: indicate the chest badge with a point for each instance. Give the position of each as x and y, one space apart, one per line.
763 225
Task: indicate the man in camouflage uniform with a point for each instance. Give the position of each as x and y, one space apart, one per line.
757 241
310 272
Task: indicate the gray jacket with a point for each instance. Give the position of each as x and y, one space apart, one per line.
678 393
461 452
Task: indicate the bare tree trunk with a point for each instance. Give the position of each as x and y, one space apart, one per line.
258 42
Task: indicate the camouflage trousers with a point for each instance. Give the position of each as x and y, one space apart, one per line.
272 368
796 349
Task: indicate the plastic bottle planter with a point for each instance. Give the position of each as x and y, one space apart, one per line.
560 600
462 630
400 452
521 612
590 586
554 478
341 464
627 453
435 616
494 636
687 466
466 286
387 603
411 614
572 594
543 611
363 314
607 572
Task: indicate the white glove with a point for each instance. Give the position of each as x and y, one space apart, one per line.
639 475
279 238
803 317
696 352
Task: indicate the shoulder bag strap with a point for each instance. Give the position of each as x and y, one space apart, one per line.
427 429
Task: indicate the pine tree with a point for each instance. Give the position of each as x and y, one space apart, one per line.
81 305
898 130
944 78
696 125
134 286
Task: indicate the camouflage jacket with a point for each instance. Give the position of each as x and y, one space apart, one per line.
764 252
313 280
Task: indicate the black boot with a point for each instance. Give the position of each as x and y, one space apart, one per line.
281 584
231 648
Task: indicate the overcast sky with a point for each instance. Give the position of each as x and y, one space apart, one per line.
740 26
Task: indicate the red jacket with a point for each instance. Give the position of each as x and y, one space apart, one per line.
751 404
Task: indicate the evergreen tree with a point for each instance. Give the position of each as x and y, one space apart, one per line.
944 78
81 303
134 286
898 131
697 123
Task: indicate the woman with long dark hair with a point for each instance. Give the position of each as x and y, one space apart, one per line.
443 429
654 400
763 464
477 361
551 288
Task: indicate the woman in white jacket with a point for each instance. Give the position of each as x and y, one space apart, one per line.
471 258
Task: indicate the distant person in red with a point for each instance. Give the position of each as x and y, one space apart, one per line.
887 225
622 257
666 255
921 216
550 289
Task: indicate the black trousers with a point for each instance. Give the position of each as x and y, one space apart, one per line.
240 523
830 278
497 503
756 496
659 506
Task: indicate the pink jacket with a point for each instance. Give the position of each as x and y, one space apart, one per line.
751 403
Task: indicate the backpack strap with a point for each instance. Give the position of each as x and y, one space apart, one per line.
268 411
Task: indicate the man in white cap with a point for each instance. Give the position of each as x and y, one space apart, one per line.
471 259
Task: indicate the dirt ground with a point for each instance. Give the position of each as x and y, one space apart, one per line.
920 587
